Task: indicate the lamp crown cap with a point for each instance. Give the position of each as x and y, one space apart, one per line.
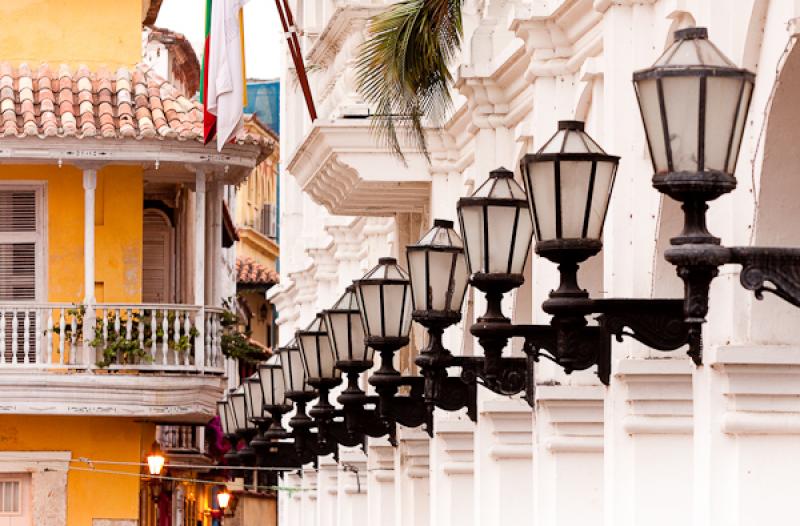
387 261
443 223
691 33
501 173
571 125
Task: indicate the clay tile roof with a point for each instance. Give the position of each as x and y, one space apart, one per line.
248 272
184 63
65 102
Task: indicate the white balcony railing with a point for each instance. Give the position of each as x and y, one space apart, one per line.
113 336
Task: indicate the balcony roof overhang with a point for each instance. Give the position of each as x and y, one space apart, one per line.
343 168
178 398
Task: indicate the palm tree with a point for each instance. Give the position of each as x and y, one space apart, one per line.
402 68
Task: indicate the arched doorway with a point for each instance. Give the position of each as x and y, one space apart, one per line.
158 258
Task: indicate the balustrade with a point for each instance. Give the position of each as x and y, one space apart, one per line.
111 336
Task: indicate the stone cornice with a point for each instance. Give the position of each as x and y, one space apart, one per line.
259 242
344 21
570 418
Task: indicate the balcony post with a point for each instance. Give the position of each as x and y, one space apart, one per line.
199 266
89 187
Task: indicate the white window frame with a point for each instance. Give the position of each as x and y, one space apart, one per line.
40 237
20 480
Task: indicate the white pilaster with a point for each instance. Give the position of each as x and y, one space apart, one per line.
504 462
648 447
452 469
412 478
352 485
199 264
380 482
327 492
569 455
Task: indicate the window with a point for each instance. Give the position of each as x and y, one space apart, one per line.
10 497
21 244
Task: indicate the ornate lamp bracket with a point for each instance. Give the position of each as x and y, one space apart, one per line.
768 269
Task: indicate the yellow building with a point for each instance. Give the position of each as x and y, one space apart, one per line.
112 265
257 250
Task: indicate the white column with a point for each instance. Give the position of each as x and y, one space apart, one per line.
648 448
294 509
380 482
199 265
89 187
504 462
412 478
569 455
309 497
327 492
352 486
452 469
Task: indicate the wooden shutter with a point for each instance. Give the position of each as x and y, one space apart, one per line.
20 244
157 258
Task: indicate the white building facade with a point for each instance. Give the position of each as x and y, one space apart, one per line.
667 442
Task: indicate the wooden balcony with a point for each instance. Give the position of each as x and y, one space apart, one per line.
160 362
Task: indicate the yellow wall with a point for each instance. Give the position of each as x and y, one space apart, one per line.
91 32
89 495
118 231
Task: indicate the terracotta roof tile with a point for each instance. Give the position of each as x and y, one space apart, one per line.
248 272
64 102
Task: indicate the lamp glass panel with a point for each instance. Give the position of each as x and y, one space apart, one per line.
686 53
440 281
575 179
722 103
346 332
603 181
460 280
272 384
397 310
543 195
223 417
573 142
369 303
311 354
741 119
682 104
239 405
419 278
647 91
254 398
502 236
523 242
471 217
294 374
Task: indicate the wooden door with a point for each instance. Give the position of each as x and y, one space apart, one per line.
158 258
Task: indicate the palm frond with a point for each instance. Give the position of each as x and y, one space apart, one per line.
402 67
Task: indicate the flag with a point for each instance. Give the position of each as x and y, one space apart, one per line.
209 119
225 86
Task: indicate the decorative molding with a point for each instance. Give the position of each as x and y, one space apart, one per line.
511 422
341 166
570 418
760 386
658 395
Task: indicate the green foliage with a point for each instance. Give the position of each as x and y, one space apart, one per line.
235 343
402 68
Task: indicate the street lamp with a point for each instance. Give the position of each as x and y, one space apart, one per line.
256 413
438 272
319 363
244 427
383 295
228 430
155 459
694 103
275 402
223 499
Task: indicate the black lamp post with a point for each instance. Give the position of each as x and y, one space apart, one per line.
438 273
353 356
384 300
256 413
275 401
694 103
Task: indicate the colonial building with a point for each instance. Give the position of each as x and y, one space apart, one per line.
667 441
112 265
